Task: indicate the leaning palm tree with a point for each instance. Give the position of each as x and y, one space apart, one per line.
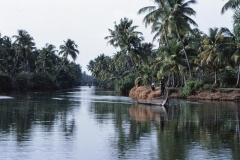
69 48
178 13
231 4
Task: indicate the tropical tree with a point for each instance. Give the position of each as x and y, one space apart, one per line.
231 4
24 45
69 48
215 49
171 16
178 18
127 39
46 58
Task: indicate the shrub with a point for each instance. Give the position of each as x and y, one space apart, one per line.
124 85
22 80
228 78
6 82
42 81
191 87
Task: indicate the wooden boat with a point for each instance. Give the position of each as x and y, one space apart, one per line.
155 101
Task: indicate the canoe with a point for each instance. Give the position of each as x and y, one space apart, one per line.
155 101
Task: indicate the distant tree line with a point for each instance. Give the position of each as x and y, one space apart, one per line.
183 53
23 66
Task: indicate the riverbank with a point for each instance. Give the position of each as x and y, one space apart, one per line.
218 94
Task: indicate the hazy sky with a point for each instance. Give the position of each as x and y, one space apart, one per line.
87 21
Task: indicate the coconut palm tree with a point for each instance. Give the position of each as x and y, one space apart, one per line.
68 49
171 61
231 4
127 39
24 45
178 13
46 58
215 49
156 17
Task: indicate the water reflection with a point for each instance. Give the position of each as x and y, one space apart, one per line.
142 113
90 123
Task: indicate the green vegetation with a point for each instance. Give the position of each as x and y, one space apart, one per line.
183 53
24 67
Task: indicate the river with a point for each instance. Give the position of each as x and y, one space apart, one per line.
94 124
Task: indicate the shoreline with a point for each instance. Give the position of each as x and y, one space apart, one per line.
218 94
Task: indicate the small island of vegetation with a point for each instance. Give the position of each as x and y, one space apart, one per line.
189 60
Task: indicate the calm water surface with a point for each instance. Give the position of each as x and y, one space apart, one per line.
93 124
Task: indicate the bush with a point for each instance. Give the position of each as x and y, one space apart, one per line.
124 85
42 81
191 87
6 82
228 78
22 81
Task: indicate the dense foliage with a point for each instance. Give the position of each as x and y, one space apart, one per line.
183 53
23 66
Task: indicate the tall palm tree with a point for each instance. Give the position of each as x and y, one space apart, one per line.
156 18
127 39
24 46
171 16
69 48
231 4
178 19
214 49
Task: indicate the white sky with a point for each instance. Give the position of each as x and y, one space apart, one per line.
87 21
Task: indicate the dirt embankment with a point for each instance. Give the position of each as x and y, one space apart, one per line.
221 94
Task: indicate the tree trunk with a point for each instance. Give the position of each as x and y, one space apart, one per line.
185 52
14 68
238 76
169 80
59 70
166 39
173 80
215 76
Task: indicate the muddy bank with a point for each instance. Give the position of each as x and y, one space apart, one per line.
220 94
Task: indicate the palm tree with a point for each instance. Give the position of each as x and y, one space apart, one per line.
46 58
171 16
24 46
69 48
127 39
171 61
156 17
178 13
214 49
231 4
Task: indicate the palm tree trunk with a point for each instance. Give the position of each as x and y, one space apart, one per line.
238 76
169 80
59 70
14 68
215 76
189 67
165 35
173 80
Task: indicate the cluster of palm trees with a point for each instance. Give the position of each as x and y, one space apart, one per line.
24 66
183 52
